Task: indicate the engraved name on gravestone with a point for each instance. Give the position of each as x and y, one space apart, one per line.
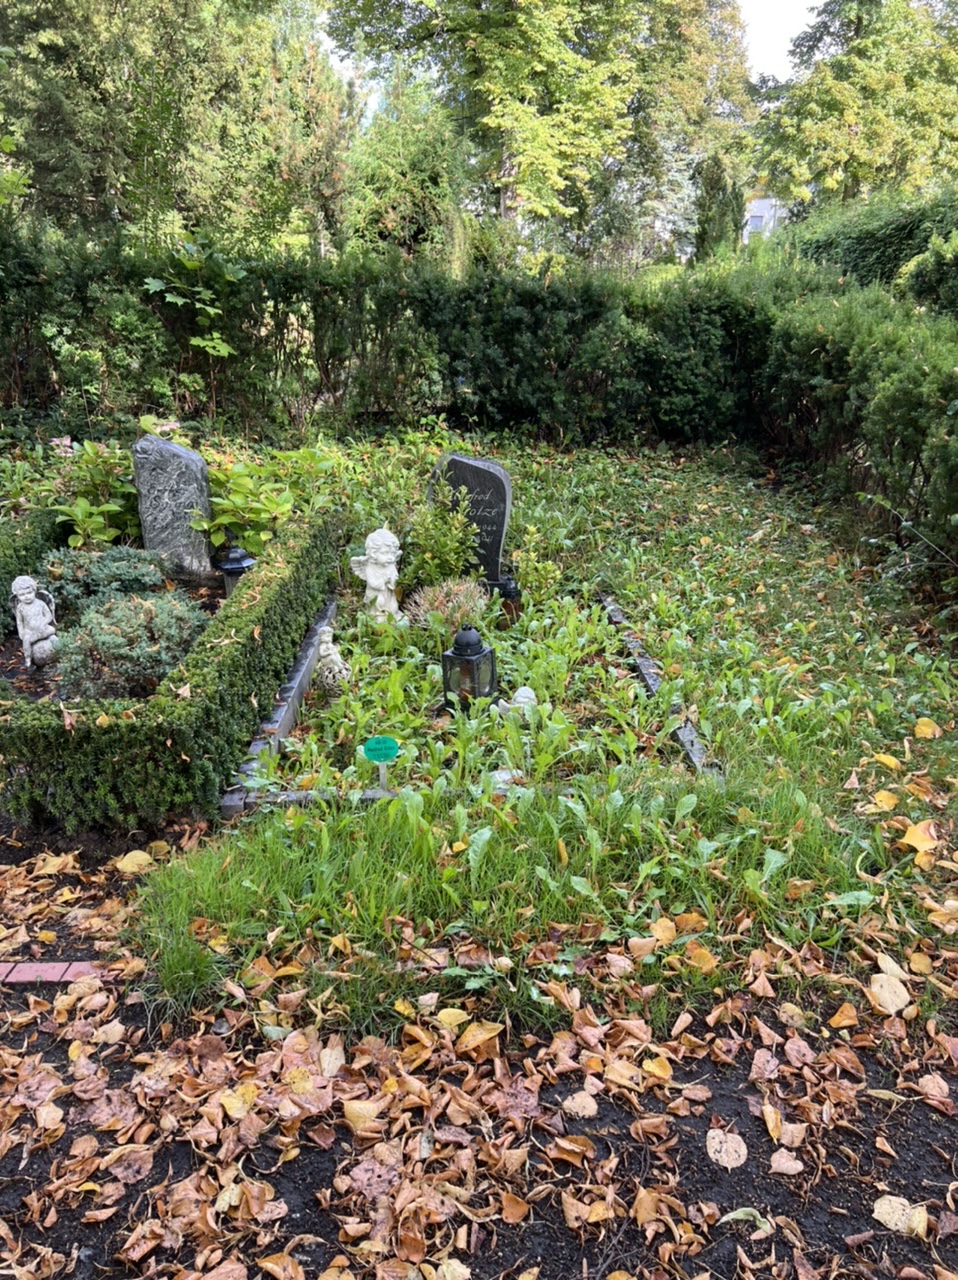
489 495
173 487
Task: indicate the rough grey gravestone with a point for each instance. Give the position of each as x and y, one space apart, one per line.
173 486
489 497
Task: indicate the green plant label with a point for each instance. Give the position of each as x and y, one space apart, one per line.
381 750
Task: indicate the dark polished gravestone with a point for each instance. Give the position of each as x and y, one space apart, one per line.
173 487
489 499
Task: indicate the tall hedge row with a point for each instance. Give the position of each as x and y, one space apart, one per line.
776 349
873 240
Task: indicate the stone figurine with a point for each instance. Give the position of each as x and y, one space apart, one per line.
35 613
521 701
379 569
332 669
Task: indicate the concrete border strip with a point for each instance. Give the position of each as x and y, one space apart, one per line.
647 670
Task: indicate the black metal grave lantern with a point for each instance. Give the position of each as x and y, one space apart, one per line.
232 564
469 668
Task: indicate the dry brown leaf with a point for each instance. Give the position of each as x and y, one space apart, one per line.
784 1162
513 1209
898 1214
282 1267
890 993
933 1086
452 1269
690 922
229 1270
725 1149
48 1115
645 1207
573 1148
579 1213
582 1105
793 1135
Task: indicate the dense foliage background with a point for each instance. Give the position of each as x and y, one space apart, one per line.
524 217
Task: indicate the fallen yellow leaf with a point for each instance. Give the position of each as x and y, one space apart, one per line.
663 930
845 1016
134 863
478 1033
452 1018
925 728
922 836
701 958
658 1067
360 1115
883 802
890 762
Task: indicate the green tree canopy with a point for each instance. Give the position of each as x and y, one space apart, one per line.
224 113
544 86
405 175
875 104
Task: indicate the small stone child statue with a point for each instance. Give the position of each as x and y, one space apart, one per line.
379 569
332 670
35 613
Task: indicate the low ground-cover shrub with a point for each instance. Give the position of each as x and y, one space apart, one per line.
123 648
81 579
104 763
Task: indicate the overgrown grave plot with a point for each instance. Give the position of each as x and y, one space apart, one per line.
90 763
824 703
591 716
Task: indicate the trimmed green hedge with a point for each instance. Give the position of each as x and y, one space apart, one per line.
100 764
23 544
874 239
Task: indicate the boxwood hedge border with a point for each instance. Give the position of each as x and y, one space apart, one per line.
89 765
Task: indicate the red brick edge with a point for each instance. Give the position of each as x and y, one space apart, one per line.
25 972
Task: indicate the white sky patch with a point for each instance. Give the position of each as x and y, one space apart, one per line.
770 28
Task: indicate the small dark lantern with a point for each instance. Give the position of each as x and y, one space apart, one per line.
232 564
510 593
469 667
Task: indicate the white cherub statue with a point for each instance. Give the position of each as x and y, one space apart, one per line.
332 670
35 613
379 569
